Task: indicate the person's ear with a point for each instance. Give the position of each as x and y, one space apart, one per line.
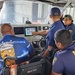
59 45
50 16
12 32
61 16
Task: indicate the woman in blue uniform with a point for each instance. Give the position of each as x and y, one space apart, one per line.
69 25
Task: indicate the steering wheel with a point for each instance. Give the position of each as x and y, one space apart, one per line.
38 42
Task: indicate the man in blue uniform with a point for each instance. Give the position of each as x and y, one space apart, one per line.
22 48
55 15
68 24
64 60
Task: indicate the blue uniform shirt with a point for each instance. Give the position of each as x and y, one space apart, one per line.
21 46
1 65
50 36
71 28
64 61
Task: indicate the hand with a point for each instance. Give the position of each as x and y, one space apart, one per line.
10 62
33 33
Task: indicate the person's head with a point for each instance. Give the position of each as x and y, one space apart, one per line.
27 18
7 29
67 20
62 38
55 14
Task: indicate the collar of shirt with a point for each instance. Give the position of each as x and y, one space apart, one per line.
68 25
55 23
70 47
7 35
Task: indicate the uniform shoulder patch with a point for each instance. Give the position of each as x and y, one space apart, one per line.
54 60
70 31
73 52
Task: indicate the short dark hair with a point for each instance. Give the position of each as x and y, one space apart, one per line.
63 36
5 27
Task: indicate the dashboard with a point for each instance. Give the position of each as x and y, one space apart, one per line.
27 30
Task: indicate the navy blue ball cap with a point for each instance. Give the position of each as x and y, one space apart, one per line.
55 11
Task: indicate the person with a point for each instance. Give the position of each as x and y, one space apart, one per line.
55 15
64 59
22 48
69 25
27 21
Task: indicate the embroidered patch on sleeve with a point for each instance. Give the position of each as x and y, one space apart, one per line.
73 52
70 31
54 60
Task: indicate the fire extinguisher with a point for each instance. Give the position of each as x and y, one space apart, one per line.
13 70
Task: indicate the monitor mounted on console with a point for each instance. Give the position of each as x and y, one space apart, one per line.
28 30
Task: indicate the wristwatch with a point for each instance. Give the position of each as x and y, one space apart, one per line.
49 49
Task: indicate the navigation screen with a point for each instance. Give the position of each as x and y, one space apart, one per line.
29 30
19 30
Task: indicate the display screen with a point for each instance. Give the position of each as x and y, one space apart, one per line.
19 30
29 30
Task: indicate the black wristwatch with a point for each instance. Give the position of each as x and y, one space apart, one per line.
49 49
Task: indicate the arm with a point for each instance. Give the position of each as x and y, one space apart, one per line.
47 51
53 73
44 32
31 51
50 43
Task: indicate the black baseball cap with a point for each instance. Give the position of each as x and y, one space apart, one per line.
68 16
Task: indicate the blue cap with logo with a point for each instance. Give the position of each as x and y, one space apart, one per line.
55 11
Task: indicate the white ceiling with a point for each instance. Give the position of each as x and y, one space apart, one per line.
54 1
41 0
